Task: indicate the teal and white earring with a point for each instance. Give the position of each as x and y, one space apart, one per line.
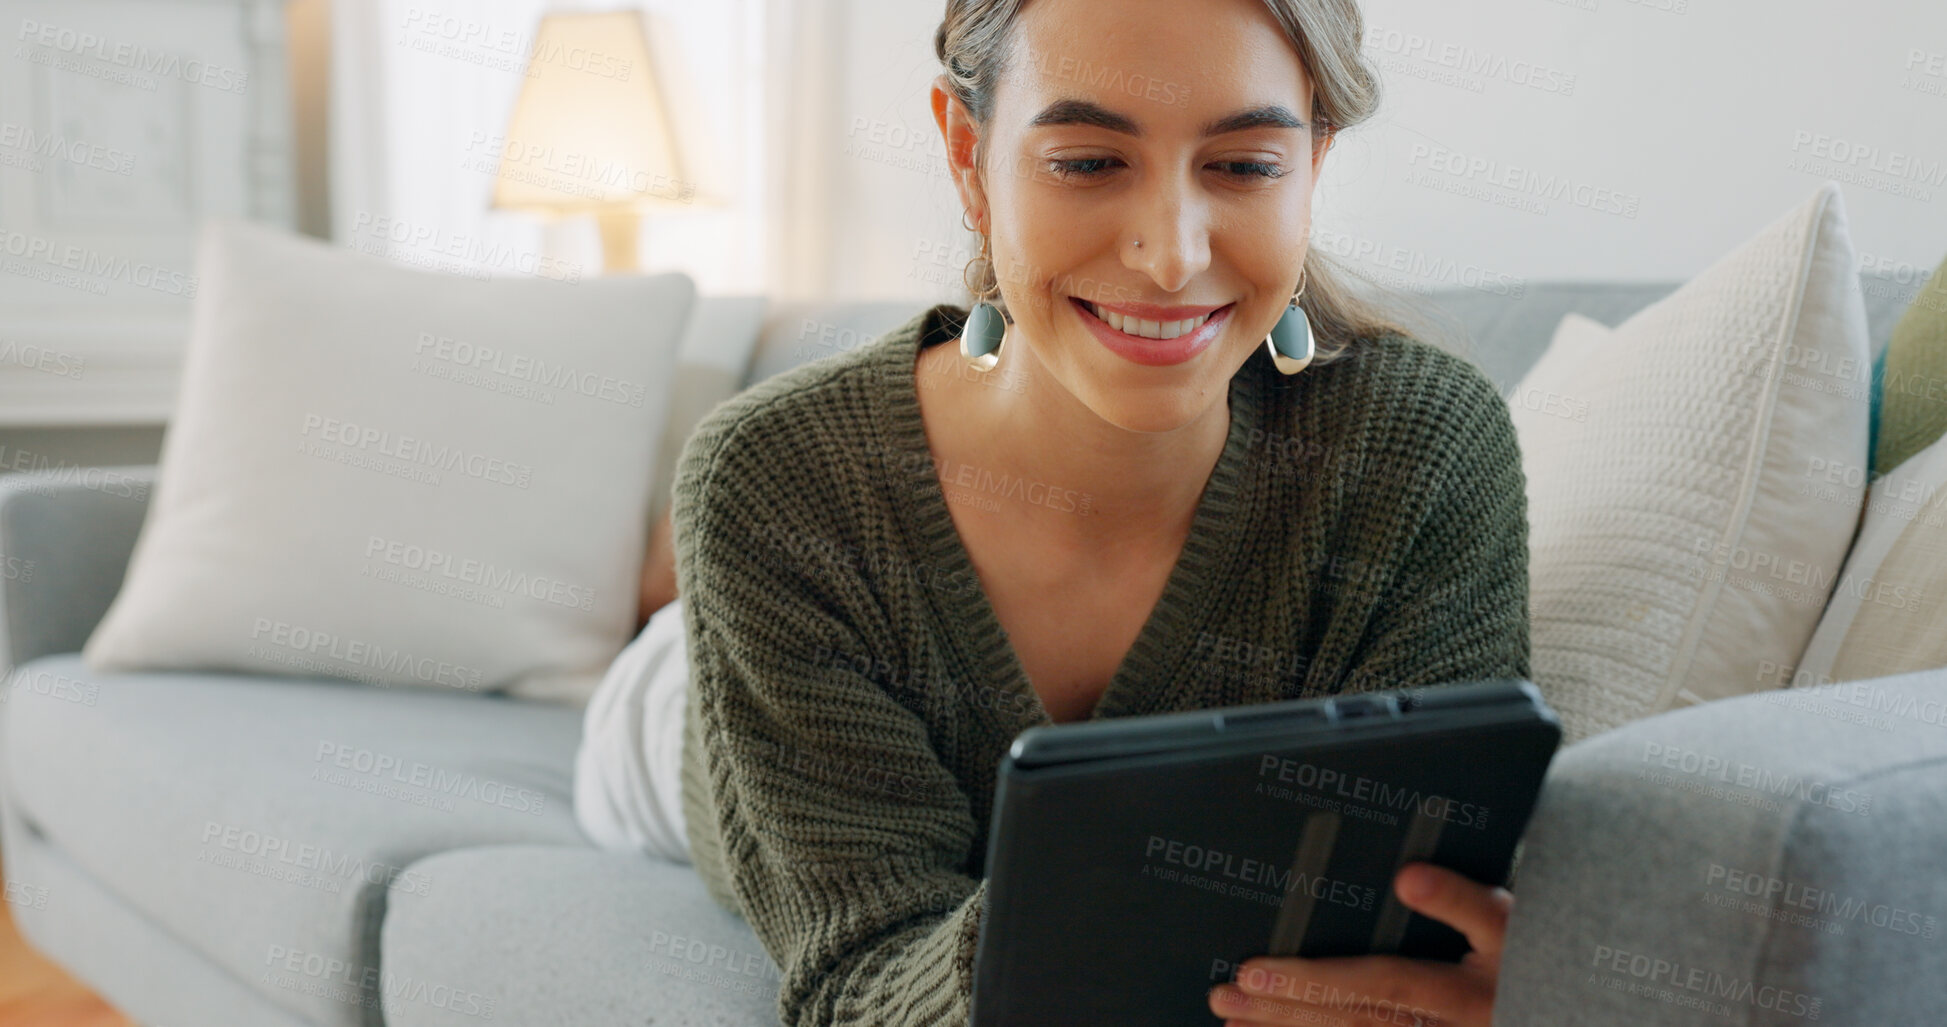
1290 341
986 328
981 340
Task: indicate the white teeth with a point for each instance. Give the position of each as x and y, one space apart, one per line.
1148 329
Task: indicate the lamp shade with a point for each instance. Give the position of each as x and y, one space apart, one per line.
590 131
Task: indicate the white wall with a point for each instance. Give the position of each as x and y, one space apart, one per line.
1695 118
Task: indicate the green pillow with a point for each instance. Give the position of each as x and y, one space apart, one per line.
1913 395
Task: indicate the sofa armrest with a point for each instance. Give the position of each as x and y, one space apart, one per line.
1769 859
65 540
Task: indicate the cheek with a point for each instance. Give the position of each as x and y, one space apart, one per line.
1042 244
1290 217
1266 246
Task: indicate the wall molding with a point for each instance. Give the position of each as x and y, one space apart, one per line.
97 337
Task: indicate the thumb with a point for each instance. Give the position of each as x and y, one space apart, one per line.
1479 912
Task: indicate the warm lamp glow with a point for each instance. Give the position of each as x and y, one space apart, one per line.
590 132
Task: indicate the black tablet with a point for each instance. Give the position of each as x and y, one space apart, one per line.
1135 862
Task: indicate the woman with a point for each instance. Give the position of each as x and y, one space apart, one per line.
894 560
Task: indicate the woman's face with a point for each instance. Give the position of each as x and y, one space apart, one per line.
1183 125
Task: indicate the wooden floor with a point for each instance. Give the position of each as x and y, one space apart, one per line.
36 993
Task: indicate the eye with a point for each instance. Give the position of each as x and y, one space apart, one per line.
1096 167
1252 169
1081 167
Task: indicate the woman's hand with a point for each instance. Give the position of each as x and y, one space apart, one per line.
1388 990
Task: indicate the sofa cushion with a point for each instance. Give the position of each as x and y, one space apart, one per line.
394 476
263 821
131 961
537 935
1764 860
800 331
1674 551
1506 334
712 363
1887 615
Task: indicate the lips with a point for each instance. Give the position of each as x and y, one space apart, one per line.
1153 351
1144 328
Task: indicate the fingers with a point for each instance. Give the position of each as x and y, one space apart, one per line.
1376 990
1243 1009
1248 1010
1359 990
1479 912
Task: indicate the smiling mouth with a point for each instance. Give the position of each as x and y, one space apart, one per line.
1160 331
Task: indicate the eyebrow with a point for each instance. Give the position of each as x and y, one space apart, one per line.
1084 112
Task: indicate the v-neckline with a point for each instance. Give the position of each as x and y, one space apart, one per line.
1208 552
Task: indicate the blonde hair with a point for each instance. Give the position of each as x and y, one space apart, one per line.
972 44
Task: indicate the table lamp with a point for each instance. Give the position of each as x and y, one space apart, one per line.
590 132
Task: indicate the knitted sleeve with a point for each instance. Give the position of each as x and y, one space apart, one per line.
1456 606
842 833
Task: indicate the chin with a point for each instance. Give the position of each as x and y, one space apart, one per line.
1153 408
1139 397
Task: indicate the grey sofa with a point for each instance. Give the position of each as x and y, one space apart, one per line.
218 849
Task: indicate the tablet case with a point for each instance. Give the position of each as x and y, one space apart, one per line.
1135 862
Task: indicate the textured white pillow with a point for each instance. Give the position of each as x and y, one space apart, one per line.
1887 615
1676 555
399 476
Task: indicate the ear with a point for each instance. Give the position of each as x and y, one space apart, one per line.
960 134
1322 138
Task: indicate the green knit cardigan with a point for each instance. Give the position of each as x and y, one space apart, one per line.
852 691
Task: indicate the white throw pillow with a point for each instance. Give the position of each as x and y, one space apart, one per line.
1887 616
399 476
1677 550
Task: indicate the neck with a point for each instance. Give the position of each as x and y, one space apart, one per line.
1019 420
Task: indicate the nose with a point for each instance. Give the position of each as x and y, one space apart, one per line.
1171 219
